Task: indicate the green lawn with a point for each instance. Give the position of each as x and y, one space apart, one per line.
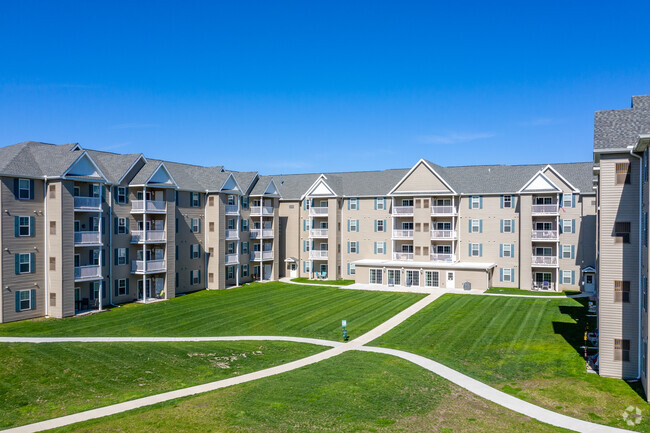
256 309
323 282
526 347
511 291
42 381
351 392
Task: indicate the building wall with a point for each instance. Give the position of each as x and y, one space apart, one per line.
290 235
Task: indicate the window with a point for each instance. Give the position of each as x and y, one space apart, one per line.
475 250
195 277
475 202
381 203
211 201
52 227
354 225
195 199
244 205
120 197
507 250
567 226
375 276
121 226
507 226
306 266
507 201
567 277
23 226
121 256
195 251
52 191
121 287
567 200
506 275
621 291
244 270
24 263
352 269
412 278
24 189
380 247
211 226
195 225
394 276
474 226
306 246
244 247
353 204
566 251
24 300
244 225
621 350
622 173
432 279
354 247
232 200
230 272
381 225
622 232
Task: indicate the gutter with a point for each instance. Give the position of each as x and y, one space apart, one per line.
45 243
640 301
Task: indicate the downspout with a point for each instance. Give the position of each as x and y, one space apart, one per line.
640 340
45 239
110 246
205 238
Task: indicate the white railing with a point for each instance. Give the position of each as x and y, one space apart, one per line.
261 210
402 210
151 266
232 259
443 210
88 203
544 261
151 236
549 235
318 254
318 211
256 233
443 234
547 285
232 234
267 233
261 255
402 234
439 257
402 256
318 233
86 238
232 209
544 209
154 206
87 272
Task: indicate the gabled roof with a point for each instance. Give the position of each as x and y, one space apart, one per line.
540 183
84 167
263 184
620 129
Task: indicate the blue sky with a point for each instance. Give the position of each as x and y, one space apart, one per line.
291 87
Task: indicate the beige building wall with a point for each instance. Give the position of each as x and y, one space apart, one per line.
184 238
290 235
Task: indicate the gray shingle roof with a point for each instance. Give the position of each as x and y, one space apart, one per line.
113 165
34 159
618 129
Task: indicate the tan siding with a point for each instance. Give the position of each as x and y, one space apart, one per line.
422 180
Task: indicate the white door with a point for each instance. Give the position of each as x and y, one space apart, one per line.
590 285
294 270
267 272
451 277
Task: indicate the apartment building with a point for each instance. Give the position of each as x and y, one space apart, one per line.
621 139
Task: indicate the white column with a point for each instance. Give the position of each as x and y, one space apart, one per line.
101 259
144 245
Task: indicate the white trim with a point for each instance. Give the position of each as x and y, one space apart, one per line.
231 191
65 173
562 178
422 161
141 156
321 179
163 166
77 146
532 179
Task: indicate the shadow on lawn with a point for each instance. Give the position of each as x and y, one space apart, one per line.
574 333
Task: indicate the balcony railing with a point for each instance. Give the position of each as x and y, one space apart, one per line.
152 206
402 234
232 234
546 285
139 266
545 235
232 209
402 210
402 256
318 211
261 233
261 210
545 209
443 234
88 203
261 255
138 236
87 238
318 254
438 257
544 261
92 272
318 233
443 211
232 259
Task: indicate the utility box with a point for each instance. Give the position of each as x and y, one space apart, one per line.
467 285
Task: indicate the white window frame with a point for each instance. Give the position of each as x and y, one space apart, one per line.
380 248
28 299
195 199
353 226
21 188
354 247
381 226
507 201
566 252
121 287
307 266
244 270
564 226
195 276
430 281
507 275
21 262
507 250
476 226
375 276
195 225
415 277
569 202
121 226
395 275
507 226
353 269
230 272
195 251
96 287
476 250
380 204
566 277
121 257
120 197
354 204
21 226
476 201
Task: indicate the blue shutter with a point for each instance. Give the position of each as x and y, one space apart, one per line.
500 250
375 204
512 225
480 202
501 226
115 223
127 225
348 269
304 204
17 300
16 226
32 226
348 247
375 226
357 225
501 202
501 274
573 251
32 262
561 226
384 247
573 277
480 250
470 226
573 200
512 250
512 275
16 192
199 272
349 225
127 257
480 226
115 255
31 189
470 250
115 285
470 201
176 229
191 251
385 230
103 257
349 200
357 244
126 200
573 226
199 221
375 247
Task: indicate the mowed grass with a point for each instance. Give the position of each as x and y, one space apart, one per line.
355 391
257 309
511 291
43 381
526 347
323 282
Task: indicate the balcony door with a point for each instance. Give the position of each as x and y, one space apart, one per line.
544 251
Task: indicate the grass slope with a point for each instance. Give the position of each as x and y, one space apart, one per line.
511 291
257 309
323 282
351 392
42 381
526 347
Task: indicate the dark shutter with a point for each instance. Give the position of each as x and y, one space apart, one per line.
17 264
16 226
116 286
127 283
31 189
16 196
32 226
115 225
32 262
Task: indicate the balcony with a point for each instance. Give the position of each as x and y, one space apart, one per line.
82 239
87 273
544 209
232 209
545 235
232 234
152 206
402 234
438 257
544 261
402 256
261 210
232 259
318 211
259 256
318 233
401 211
443 211
88 204
319 254
546 285
148 267
152 236
443 234
261 233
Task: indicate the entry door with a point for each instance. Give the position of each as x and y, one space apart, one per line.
294 270
451 280
590 285
267 272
